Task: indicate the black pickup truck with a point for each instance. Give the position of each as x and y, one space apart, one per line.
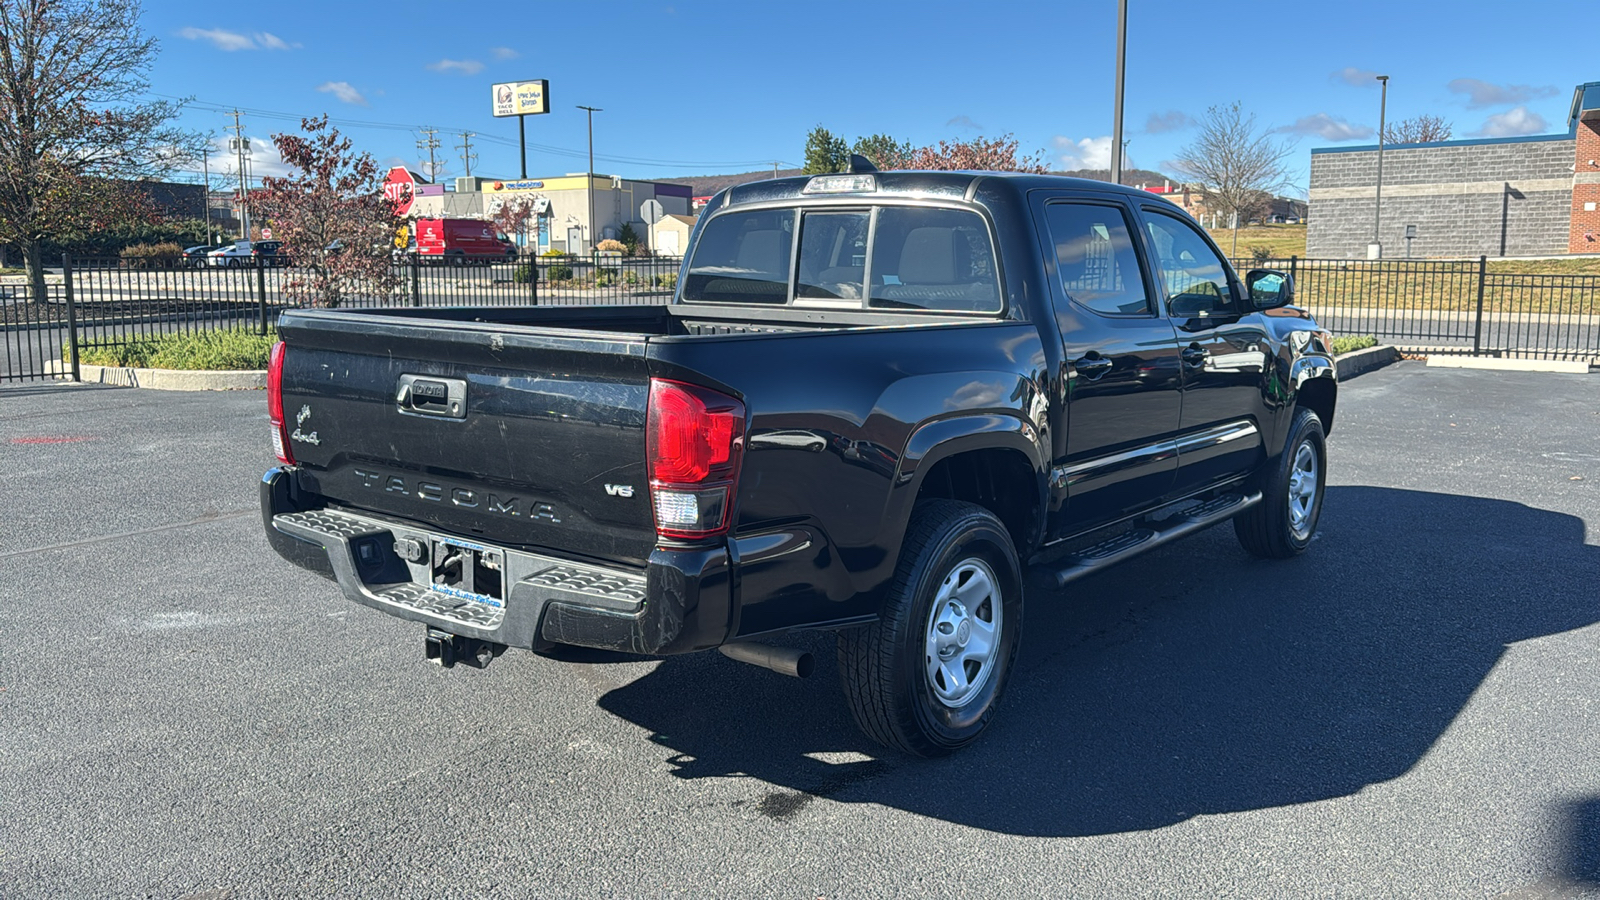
874 398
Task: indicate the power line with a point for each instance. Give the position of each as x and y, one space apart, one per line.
278 115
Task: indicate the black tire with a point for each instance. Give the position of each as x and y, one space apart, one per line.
884 667
233 262
1275 528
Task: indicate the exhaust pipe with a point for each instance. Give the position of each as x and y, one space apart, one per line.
783 660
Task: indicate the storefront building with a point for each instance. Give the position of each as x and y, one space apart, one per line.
564 220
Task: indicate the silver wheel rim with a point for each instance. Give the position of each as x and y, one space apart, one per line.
963 633
1303 490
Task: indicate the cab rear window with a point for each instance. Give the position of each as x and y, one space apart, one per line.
886 257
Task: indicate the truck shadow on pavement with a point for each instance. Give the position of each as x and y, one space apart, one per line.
1195 681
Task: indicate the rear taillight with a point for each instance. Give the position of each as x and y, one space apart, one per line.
280 431
695 444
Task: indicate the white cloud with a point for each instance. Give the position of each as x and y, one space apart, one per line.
230 41
1356 77
264 161
1482 93
1089 153
504 53
1513 123
1172 120
460 66
344 91
964 122
223 40
1329 128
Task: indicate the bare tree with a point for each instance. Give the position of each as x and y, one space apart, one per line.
338 228
1234 164
73 107
1417 130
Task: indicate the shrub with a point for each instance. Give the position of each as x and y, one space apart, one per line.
1351 343
630 277
629 238
665 280
227 349
524 273
1260 252
605 277
152 256
553 252
559 273
610 245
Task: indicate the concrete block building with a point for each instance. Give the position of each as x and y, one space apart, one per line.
1518 196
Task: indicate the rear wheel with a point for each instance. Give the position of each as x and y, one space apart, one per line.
1282 524
927 676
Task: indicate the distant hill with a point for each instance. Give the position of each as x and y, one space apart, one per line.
1130 177
706 185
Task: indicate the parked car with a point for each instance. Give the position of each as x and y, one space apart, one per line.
874 399
269 253
195 257
231 255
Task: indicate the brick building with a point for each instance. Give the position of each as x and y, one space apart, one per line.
1520 196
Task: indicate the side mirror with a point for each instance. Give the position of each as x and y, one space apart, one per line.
1269 288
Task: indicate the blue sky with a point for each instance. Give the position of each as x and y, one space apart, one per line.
693 87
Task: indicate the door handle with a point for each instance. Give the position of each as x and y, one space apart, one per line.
1092 367
1195 356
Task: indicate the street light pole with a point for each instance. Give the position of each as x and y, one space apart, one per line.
1116 122
1377 205
591 110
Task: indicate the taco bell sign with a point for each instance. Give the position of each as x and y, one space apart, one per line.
522 98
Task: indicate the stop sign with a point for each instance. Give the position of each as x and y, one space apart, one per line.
400 188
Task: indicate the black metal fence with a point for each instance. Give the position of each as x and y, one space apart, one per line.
1451 306
113 302
1436 306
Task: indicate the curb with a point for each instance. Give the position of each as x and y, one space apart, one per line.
1357 362
1439 361
163 379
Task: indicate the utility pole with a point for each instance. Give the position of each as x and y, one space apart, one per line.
592 232
1376 250
467 156
205 166
241 149
1122 69
774 168
430 144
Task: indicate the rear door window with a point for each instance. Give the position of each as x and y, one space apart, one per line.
936 259
1095 259
742 257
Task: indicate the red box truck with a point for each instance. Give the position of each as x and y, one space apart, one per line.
462 241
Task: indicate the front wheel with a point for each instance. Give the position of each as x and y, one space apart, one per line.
927 676
1281 525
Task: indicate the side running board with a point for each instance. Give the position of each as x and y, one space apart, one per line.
1132 543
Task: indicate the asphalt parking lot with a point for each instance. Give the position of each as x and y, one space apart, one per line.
1410 709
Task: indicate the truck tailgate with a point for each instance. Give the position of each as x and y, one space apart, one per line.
520 435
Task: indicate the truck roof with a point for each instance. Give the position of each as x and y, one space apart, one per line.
955 185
